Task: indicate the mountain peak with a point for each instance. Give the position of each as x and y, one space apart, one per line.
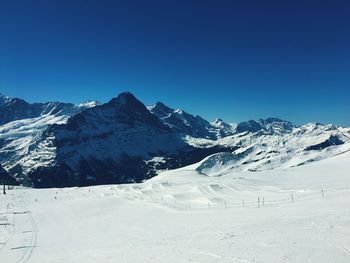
218 121
4 99
161 106
276 125
126 100
160 109
272 120
250 126
125 108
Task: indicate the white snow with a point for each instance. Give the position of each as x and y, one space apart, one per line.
263 151
185 216
89 104
22 137
21 140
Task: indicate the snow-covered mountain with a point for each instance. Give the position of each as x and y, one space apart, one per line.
188 124
277 126
63 144
24 126
119 141
263 150
104 144
12 109
222 129
20 138
182 121
271 125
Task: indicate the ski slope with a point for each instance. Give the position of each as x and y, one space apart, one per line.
185 216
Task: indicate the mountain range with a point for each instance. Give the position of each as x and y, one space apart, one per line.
59 144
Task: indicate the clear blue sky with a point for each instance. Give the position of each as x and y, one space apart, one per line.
237 60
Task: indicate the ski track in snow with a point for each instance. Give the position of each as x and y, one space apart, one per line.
182 216
18 243
32 244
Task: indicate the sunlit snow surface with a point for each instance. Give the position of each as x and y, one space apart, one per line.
261 151
185 216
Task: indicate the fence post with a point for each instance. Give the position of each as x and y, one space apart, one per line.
291 195
259 202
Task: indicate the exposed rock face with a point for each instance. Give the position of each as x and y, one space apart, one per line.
12 109
122 141
182 121
109 143
5 178
331 141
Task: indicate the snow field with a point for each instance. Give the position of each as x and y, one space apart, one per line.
151 222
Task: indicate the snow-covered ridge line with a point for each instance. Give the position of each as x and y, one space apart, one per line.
12 109
125 141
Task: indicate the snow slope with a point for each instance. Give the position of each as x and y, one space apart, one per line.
185 216
61 144
265 151
20 137
12 109
188 124
21 145
109 143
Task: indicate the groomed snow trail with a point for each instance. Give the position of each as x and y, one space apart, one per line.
152 222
